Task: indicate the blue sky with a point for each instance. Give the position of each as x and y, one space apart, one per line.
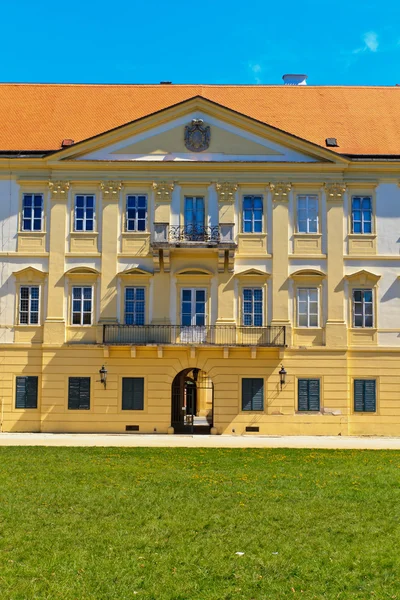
334 42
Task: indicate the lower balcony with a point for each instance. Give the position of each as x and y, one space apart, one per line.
193 235
210 335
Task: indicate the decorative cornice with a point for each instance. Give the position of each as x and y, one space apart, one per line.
59 189
111 189
163 191
226 191
334 191
280 191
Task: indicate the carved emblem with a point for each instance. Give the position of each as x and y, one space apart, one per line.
226 191
59 189
335 191
163 191
197 136
280 191
111 188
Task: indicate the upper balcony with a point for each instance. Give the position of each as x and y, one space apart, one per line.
221 236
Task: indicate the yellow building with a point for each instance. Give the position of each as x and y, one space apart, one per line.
201 259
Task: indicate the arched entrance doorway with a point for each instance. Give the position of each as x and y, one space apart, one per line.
192 402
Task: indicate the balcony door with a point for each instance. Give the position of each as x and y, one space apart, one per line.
194 218
193 315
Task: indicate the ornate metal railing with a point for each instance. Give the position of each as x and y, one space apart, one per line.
213 335
193 233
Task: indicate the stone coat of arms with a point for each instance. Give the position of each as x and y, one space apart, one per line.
197 136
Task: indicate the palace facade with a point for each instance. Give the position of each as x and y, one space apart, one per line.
200 259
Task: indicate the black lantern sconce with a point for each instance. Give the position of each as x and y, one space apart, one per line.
282 376
195 374
103 376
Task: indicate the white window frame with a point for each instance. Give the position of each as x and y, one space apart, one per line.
252 221
252 313
308 312
362 221
136 220
135 301
85 219
29 312
32 219
82 312
363 313
308 220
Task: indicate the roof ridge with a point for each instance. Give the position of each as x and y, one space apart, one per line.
198 85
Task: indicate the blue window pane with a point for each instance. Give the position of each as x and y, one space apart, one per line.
34 318
357 215
247 306
140 319
131 213
186 295
357 227
26 225
142 202
187 308
79 213
257 227
35 305
89 225
247 227
140 293
129 293
79 201
38 201
200 308
258 294
76 292
89 213
200 295
367 227
140 307
200 320
87 292
368 321
366 203
247 202
356 203
247 320
357 296
186 319
37 225
90 201
141 214
258 320
35 292
76 306
129 306
368 295
257 203
27 213
258 308
129 319
87 305
37 213
247 294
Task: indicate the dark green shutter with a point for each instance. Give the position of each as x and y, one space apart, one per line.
303 394
132 393
26 392
79 393
308 394
365 395
252 394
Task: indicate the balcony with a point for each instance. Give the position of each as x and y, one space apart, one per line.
193 235
210 335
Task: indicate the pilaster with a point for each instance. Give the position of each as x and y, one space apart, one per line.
54 325
336 330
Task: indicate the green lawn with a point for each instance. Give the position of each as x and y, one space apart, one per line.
80 523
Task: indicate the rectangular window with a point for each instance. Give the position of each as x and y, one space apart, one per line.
307 307
253 394
79 393
134 306
365 395
252 214
32 212
136 213
307 214
361 214
132 393
26 392
308 394
84 212
252 307
363 311
29 305
82 305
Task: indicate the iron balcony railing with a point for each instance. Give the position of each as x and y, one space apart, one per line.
213 335
193 234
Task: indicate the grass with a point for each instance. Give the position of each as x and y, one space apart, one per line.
101 523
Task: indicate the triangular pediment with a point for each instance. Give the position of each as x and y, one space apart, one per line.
166 137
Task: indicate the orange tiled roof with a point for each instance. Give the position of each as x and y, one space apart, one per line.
365 120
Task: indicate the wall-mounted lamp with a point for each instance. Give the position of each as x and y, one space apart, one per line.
282 376
103 376
195 374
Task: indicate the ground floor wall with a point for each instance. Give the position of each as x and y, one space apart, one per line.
335 369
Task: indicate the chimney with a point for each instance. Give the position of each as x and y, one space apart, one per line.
294 79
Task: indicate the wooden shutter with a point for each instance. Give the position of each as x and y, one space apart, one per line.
79 393
246 394
365 395
26 392
313 394
302 394
258 394
132 393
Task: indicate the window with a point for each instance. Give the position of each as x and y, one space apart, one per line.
132 393
363 308
32 212
84 213
136 213
79 393
361 214
134 306
252 214
307 307
365 395
26 392
29 305
307 214
253 394
82 305
308 394
252 307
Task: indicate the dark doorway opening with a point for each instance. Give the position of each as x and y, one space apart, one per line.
192 402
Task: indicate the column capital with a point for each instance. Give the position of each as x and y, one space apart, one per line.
59 189
280 191
226 191
111 189
163 191
334 191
